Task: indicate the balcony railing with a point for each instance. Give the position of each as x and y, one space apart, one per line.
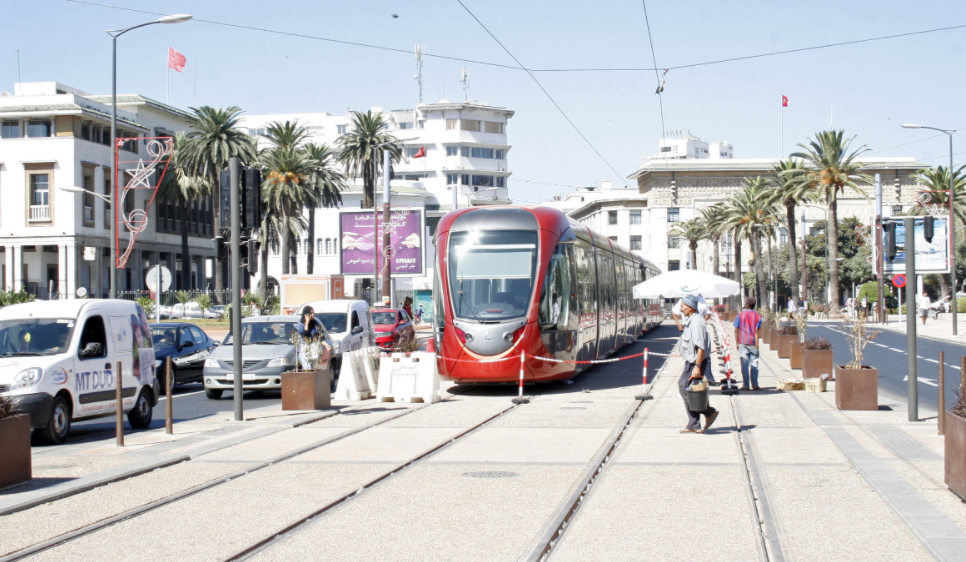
39 213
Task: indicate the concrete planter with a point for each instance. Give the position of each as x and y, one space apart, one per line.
15 467
955 456
795 357
785 345
816 362
856 389
772 334
307 390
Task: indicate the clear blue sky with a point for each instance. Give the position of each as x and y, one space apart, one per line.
873 87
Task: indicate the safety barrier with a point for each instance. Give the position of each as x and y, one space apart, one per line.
353 379
408 377
724 343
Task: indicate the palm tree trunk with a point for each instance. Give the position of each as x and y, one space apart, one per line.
693 246
221 264
792 252
185 257
833 254
263 260
944 285
368 186
284 241
310 256
759 270
737 242
715 262
293 245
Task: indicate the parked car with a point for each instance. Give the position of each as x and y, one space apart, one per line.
187 345
191 310
394 328
267 352
348 321
59 359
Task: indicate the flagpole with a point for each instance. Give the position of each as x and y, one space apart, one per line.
782 154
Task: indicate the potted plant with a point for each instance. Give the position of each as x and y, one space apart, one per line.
15 467
795 357
955 439
309 385
787 334
816 358
857 385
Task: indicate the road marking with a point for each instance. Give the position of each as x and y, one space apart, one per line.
180 395
923 380
900 351
930 360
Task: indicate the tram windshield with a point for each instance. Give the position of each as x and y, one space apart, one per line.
491 273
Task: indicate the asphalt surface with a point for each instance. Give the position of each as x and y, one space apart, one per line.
888 353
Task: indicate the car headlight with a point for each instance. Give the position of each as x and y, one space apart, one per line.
209 362
383 334
278 362
27 378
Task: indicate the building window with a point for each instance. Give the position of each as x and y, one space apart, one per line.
611 217
107 192
10 130
673 241
483 181
341 129
319 247
411 177
470 125
420 124
466 179
672 214
500 154
39 198
635 217
307 246
783 236
635 242
452 151
38 128
452 124
330 247
465 151
88 211
482 153
673 265
315 130
452 179
408 125
665 149
501 181
492 127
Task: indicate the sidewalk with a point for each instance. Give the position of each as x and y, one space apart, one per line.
938 328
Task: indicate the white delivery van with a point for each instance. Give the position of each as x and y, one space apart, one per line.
59 360
348 321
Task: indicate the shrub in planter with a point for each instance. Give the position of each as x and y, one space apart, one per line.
309 385
15 467
857 385
787 334
816 358
955 455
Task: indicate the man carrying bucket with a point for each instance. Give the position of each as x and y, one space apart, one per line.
695 347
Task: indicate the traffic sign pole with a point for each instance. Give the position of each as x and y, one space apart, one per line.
911 353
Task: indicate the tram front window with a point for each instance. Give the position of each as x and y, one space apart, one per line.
491 273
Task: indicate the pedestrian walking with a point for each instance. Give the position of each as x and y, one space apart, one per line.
924 304
419 315
792 309
704 312
695 347
865 307
748 323
408 306
849 307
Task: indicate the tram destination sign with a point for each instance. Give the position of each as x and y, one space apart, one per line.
406 240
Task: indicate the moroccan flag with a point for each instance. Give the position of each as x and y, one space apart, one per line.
784 101
176 60
421 153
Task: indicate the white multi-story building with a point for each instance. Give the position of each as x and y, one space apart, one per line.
465 164
53 241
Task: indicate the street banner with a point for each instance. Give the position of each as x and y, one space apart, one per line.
405 238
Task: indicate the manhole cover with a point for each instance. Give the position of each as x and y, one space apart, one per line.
54 466
491 474
573 408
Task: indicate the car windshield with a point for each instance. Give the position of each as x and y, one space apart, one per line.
163 336
273 333
35 336
333 321
383 317
491 273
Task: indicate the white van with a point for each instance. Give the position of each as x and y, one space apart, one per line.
348 321
59 358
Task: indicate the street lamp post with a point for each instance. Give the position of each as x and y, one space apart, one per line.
176 18
951 227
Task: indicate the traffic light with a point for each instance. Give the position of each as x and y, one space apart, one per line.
928 229
224 198
889 240
253 247
250 186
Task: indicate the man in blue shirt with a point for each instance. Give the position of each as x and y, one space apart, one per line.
748 323
695 347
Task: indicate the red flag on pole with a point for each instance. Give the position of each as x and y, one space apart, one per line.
176 60
421 153
784 101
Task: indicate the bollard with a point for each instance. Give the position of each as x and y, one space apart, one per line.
941 415
520 399
644 395
168 407
119 398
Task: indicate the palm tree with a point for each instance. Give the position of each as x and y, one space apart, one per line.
270 236
325 184
693 230
285 190
180 187
788 191
713 218
829 169
753 218
286 135
935 182
216 138
361 151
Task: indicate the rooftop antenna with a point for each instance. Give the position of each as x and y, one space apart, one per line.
419 70
465 81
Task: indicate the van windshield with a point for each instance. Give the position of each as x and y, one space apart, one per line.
333 321
35 336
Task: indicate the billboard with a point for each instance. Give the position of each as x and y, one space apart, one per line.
405 236
931 257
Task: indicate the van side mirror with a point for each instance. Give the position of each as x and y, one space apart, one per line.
93 349
357 330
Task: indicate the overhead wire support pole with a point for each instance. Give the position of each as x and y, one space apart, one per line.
387 271
234 170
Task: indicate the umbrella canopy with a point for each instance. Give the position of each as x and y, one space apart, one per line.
686 282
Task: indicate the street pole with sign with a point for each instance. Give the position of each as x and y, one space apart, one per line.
911 353
158 280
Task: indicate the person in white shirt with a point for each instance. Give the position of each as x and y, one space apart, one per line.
792 309
703 311
924 304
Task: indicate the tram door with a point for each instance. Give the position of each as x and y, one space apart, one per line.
608 309
587 301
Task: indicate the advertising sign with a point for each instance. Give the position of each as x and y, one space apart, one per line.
405 238
931 257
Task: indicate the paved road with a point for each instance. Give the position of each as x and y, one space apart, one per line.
888 354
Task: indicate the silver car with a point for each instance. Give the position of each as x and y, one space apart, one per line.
190 310
267 352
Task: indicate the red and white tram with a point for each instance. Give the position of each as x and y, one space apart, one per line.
530 279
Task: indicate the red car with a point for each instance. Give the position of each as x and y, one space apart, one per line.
393 327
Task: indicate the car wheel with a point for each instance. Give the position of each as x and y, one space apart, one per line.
58 424
140 416
213 393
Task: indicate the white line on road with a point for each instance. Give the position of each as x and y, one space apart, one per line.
901 351
185 394
923 380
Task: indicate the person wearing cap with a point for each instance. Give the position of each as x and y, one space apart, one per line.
704 311
695 347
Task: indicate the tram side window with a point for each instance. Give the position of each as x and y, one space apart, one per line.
587 285
439 315
558 291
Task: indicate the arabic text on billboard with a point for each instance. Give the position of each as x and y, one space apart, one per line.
358 247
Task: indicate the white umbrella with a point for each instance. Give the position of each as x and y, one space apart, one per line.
684 282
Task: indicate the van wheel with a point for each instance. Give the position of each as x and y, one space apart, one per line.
213 393
58 424
140 416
